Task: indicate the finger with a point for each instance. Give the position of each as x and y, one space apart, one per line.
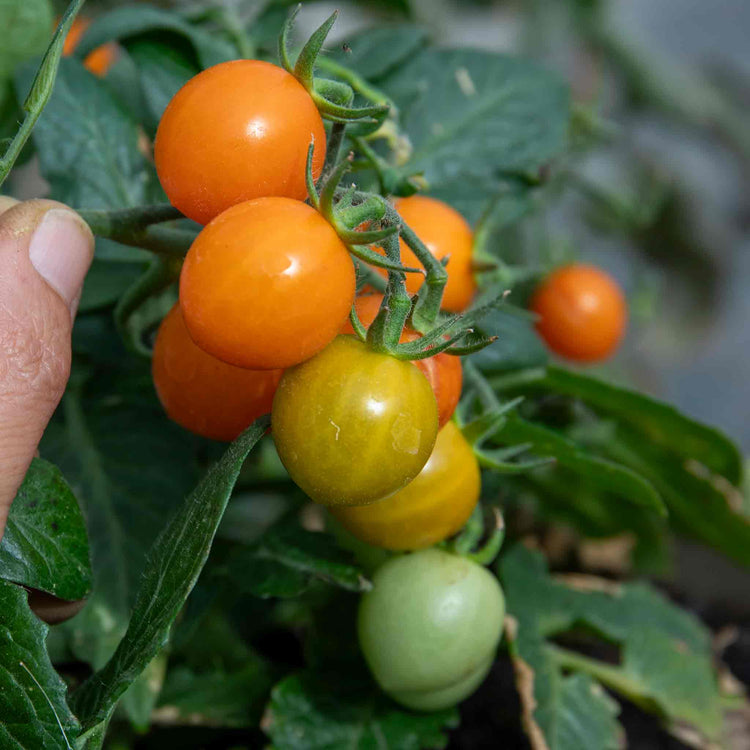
45 252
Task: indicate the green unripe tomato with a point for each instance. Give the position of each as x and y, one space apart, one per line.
430 627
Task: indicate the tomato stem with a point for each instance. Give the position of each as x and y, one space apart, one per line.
335 139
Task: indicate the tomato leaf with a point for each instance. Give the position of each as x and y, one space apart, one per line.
288 558
477 114
124 23
517 346
310 712
665 667
87 144
173 566
45 545
26 31
32 694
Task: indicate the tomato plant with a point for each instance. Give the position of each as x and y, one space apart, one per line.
352 425
266 285
447 235
582 313
430 627
442 371
432 507
244 112
202 393
342 263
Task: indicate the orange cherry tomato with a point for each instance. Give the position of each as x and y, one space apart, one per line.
267 284
237 131
445 232
100 60
203 394
443 371
432 507
582 313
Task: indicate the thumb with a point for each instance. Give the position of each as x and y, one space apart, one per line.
45 252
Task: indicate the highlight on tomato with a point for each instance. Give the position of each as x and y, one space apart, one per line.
204 394
267 284
237 131
443 371
352 425
445 233
430 627
582 313
431 508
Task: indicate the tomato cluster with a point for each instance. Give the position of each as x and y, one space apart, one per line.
262 324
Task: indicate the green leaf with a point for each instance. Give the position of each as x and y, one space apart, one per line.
130 467
660 424
32 695
288 558
517 347
27 27
472 114
666 660
313 713
106 281
173 566
45 544
140 699
600 473
125 23
87 144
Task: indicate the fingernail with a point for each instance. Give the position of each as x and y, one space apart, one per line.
61 249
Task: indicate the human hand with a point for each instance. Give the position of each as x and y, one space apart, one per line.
45 252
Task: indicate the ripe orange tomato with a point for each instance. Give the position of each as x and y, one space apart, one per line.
443 371
266 284
203 394
101 59
237 131
432 507
445 232
582 313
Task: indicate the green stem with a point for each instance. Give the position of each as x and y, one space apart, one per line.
518 379
359 84
41 90
484 390
120 221
335 139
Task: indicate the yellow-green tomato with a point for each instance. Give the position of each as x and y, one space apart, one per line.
432 507
352 425
430 627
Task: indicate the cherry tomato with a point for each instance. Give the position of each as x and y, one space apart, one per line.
204 394
351 425
266 284
443 371
430 626
432 507
237 131
582 313
445 232
100 60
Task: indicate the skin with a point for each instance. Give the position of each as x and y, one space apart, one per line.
351 425
443 371
237 131
97 62
430 627
432 507
445 233
582 313
266 285
204 394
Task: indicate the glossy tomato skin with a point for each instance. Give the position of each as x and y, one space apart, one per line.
432 507
430 626
204 394
445 232
351 425
266 284
443 371
100 60
237 131
582 313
